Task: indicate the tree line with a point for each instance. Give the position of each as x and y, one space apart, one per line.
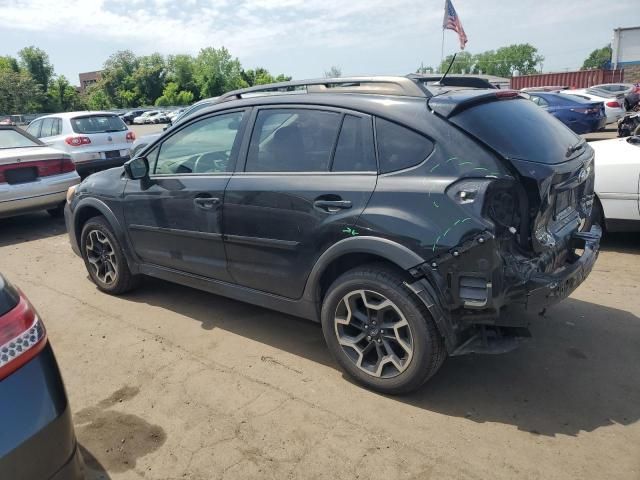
29 83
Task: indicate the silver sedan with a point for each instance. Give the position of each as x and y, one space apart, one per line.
32 176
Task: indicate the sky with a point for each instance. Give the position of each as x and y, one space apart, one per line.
304 38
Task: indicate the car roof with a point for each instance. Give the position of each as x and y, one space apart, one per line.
77 114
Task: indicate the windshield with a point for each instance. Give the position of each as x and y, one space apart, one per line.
98 124
15 139
518 129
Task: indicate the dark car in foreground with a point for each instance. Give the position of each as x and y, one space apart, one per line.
414 222
580 115
37 440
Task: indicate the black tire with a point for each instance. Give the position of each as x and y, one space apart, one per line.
427 344
121 280
57 212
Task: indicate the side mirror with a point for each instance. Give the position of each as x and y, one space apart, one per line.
137 168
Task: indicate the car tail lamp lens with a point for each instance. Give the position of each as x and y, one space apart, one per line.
44 168
613 104
131 136
22 337
77 141
585 111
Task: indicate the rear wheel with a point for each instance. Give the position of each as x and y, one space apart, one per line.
104 259
379 332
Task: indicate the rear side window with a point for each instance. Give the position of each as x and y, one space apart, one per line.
50 127
34 128
399 147
354 151
293 140
518 129
98 124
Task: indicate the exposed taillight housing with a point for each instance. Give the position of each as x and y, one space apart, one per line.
22 337
44 168
77 141
131 136
613 104
585 111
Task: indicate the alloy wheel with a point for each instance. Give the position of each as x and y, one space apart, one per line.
374 333
101 256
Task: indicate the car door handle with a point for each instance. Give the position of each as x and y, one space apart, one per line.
206 203
332 206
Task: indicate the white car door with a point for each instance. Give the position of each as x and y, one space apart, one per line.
617 165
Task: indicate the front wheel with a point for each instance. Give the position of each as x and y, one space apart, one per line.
104 259
379 332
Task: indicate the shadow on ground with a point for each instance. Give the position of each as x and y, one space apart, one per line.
26 228
93 469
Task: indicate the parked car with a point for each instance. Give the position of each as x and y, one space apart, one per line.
32 176
145 118
159 117
145 140
130 116
580 115
94 140
617 161
550 88
172 115
5 121
470 213
630 91
38 439
613 103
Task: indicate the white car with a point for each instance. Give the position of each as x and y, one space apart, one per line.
94 140
145 117
617 187
32 175
613 103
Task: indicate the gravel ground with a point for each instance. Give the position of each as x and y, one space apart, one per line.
169 383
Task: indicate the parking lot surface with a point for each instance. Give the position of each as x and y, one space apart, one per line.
168 382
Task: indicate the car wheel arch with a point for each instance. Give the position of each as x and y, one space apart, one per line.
354 251
91 207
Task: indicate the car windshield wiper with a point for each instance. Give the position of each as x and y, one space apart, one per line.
574 148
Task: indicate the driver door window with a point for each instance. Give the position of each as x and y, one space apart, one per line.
204 147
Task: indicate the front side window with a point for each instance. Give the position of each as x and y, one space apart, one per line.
204 146
399 147
293 140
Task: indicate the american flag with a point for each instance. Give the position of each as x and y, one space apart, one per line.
452 22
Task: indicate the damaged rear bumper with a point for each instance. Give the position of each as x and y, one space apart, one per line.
543 290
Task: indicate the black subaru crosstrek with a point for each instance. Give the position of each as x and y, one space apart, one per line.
413 221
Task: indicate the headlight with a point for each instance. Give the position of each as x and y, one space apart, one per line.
71 192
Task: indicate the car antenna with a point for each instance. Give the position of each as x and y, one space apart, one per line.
448 68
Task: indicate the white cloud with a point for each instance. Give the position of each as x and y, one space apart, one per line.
246 27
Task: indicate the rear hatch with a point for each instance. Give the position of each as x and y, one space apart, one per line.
554 165
107 133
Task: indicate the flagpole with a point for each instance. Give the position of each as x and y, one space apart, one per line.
442 50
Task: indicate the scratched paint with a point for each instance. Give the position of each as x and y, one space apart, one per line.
350 231
459 221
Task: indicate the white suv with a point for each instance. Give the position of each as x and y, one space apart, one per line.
94 140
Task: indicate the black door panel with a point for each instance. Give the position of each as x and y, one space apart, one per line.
274 231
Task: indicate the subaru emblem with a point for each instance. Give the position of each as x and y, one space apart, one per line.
582 176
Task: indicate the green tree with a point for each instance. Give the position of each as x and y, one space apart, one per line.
19 93
36 61
217 72
599 58
333 72
149 78
96 98
9 63
184 98
62 95
261 76
180 70
117 80
171 96
522 58
464 62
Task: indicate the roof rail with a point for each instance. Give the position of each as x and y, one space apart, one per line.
401 86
